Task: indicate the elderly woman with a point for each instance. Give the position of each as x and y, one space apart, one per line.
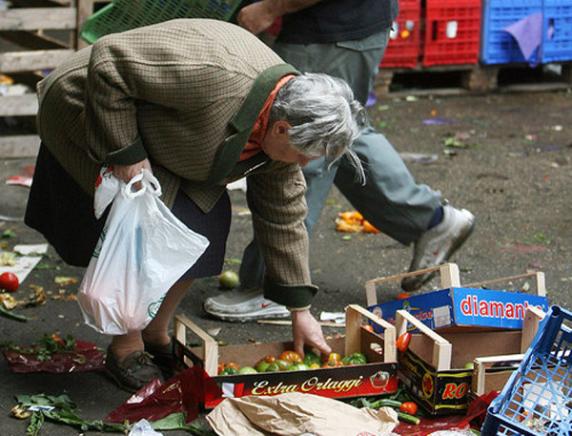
201 103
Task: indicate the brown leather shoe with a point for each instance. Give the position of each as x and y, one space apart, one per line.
164 357
133 372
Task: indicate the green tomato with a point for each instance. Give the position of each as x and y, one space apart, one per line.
228 280
262 366
229 371
283 365
310 358
299 367
272 367
247 370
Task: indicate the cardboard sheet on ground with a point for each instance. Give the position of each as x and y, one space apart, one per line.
295 413
24 266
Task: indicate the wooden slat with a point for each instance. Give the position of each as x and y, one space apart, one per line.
38 18
209 345
31 40
442 349
14 62
19 146
538 275
18 105
448 274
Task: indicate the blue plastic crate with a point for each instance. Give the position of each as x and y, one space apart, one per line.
537 399
557 31
498 46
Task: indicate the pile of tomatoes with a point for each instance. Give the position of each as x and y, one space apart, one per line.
292 361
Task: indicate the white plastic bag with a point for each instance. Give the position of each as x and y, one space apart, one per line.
143 250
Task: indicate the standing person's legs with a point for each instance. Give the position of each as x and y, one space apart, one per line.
391 199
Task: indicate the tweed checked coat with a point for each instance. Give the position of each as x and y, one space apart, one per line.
184 94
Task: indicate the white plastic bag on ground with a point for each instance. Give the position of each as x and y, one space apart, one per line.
143 250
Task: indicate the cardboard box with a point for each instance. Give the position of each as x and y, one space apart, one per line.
377 377
434 366
461 306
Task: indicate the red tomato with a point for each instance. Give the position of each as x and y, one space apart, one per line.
270 359
232 365
402 296
403 342
9 282
290 356
408 407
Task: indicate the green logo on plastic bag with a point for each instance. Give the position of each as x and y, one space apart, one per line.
153 308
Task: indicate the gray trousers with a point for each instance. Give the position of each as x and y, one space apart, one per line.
391 199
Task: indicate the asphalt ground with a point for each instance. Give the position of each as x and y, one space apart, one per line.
511 167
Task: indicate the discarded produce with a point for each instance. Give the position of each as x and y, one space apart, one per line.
354 222
409 407
406 410
228 280
9 282
7 259
402 342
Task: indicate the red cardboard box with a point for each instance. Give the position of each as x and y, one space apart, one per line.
378 376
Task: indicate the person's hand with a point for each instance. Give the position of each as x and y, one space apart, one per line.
307 331
257 17
127 172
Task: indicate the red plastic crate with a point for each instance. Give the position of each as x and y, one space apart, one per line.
404 45
452 32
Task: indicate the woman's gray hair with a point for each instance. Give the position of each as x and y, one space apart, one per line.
325 117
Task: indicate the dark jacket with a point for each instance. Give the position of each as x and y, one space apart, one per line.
338 20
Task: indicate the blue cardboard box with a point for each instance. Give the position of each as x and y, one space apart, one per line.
464 307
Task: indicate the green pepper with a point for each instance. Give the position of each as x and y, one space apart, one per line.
355 359
14 316
310 358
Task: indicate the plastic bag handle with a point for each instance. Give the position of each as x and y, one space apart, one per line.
151 183
128 188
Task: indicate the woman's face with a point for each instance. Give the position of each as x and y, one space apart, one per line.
277 146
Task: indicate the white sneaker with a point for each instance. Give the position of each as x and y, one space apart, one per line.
438 244
243 306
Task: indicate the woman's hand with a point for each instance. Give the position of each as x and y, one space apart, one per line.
127 172
307 331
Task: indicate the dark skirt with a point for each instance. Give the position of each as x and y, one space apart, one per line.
60 210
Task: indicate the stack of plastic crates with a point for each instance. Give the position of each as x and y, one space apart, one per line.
499 47
452 32
404 45
123 15
537 399
557 31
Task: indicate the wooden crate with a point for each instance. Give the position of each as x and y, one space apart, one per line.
374 378
35 37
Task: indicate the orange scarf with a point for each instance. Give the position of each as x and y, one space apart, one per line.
254 144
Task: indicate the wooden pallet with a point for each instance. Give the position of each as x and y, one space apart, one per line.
35 36
465 79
